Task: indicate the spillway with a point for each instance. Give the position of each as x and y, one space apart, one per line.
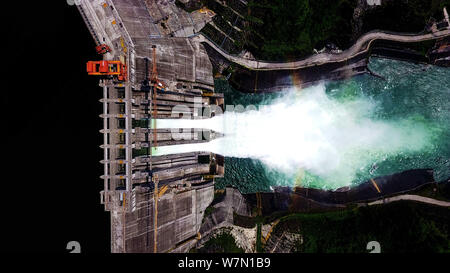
335 134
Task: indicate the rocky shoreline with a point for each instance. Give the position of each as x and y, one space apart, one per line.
237 214
250 80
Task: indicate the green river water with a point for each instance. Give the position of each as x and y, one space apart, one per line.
412 98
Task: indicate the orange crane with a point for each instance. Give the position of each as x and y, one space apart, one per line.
207 11
107 68
157 85
158 193
375 185
102 49
154 76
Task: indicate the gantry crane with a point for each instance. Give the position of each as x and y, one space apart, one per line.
157 85
154 75
157 194
107 68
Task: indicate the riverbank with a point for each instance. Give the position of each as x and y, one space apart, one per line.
293 223
253 76
415 93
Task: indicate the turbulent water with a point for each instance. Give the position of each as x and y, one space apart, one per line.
333 134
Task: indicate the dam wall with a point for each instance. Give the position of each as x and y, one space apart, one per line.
156 203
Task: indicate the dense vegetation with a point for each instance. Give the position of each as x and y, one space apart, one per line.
290 29
398 227
283 29
439 191
404 16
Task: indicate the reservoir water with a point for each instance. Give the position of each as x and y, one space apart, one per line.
334 134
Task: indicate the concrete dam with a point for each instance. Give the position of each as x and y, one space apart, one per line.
167 131
156 202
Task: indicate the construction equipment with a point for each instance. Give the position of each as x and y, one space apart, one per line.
156 195
375 185
108 68
124 47
207 11
157 85
154 76
266 238
162 191
102 49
